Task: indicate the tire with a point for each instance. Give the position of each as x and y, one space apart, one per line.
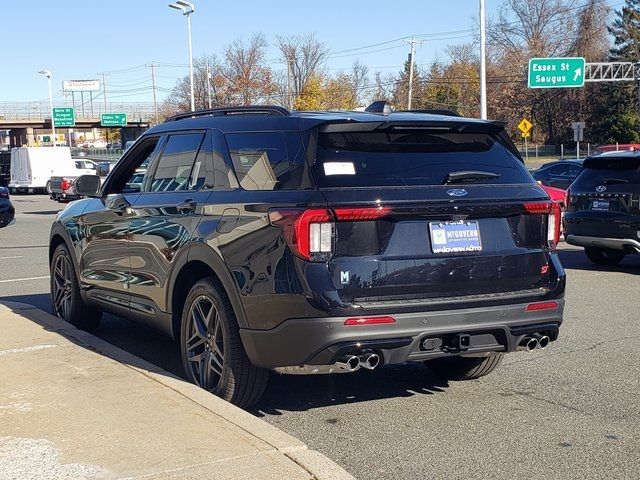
212 353
66 300
604 256
464 368
48 187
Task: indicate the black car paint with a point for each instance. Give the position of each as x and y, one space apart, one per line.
129 261
620 225
547 176
7 210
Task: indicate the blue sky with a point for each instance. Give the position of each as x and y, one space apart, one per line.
77 39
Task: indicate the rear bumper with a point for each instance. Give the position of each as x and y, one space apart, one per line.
626 244
321 341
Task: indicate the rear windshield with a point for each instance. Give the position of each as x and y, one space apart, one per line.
611 170
369 159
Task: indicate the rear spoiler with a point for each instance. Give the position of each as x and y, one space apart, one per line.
492 127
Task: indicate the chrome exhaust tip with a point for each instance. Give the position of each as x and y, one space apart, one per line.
527 344
369 360
543 340
350 363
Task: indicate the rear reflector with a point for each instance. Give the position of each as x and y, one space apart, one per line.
533 307
369 321
360 214
537 207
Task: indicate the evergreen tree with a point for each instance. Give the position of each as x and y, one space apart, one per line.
618 118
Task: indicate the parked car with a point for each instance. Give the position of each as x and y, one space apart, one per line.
7 212
262 239
33 167
62 187
621 147
603 214
559 174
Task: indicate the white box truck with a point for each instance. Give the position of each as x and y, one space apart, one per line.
33 167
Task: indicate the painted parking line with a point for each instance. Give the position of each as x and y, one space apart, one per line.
9 258
23 279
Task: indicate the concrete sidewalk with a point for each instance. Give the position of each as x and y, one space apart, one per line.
74 406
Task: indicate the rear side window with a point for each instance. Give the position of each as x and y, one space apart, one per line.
268 160
173 170
609 170
372 159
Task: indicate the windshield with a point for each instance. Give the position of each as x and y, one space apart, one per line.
370 159
610 170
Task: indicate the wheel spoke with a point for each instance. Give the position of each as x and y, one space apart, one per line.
196 341
217 360
202 365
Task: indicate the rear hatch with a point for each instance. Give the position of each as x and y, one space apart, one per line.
606 196
432 215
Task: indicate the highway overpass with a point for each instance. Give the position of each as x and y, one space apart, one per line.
24 120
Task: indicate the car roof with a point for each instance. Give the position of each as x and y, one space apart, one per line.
620 153
276 118
575 161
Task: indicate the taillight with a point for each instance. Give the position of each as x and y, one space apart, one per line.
552 210
65 184
310 233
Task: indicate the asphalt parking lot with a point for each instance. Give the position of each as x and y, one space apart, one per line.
570 411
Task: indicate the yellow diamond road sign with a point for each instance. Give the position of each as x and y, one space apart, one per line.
525 126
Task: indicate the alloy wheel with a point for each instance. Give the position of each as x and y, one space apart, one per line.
205 343
62 287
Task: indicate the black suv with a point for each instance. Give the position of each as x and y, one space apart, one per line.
603 208
316 242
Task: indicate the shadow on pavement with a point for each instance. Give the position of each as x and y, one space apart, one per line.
575 259
285 392
132 337
305 392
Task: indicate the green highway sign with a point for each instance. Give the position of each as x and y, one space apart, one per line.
565 72
113 120
63 117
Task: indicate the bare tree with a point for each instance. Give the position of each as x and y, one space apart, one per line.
249 78
304 57
179 98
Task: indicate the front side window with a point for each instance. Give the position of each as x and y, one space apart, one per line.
173 170
130 178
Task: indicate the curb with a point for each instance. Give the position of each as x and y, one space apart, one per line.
317 464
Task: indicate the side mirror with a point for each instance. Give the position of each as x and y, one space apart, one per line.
88 185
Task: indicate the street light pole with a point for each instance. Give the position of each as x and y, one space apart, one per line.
187 9
483 62
47 74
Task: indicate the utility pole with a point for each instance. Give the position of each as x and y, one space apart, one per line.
483 63
104 89
289 84
413 42
153 88
209 85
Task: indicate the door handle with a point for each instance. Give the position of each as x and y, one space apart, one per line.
186 206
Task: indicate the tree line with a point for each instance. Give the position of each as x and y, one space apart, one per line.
300 79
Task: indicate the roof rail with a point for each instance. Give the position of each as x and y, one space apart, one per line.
442 111
220 112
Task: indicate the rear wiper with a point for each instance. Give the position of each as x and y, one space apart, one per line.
615 180
469 175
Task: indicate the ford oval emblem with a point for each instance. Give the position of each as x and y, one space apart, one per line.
456 192
601 188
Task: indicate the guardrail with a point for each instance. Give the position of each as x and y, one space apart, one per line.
97 154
